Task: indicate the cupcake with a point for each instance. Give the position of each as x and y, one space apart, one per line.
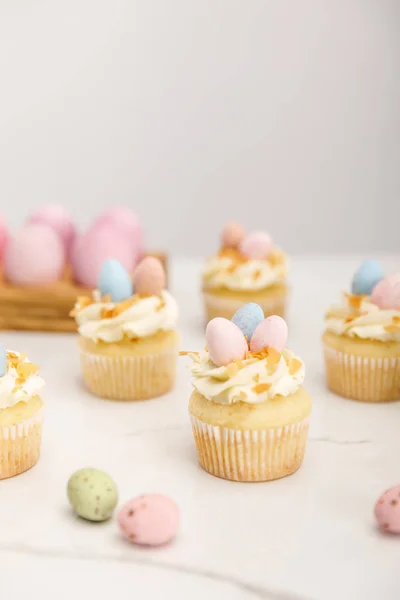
21 413
249 410
247 268
127 333
362 338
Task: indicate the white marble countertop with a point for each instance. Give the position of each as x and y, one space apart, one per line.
308 536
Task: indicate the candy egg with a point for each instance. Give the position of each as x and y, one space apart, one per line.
149 520
387 510
386 294
3 236
257 245
232 234
57 218
273 331
97 245
225 341
115 280
92 494
366 277
126 221
34 256
3 360
149 277
247 318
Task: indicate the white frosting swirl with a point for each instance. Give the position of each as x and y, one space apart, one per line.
231 384
145 317
12 390
224 271
367 321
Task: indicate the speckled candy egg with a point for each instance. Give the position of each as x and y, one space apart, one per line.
3 360
150 520
35 255
387 510
115 280
149 277
127 222
368 274
3 237
273 331
256 245
386 294
92 494
91 250
247 318
225 341
232 234
57 218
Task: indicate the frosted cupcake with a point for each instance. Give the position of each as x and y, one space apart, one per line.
362 338
249 410
128 340
21 413
247 268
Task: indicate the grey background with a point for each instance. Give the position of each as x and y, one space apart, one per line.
282 114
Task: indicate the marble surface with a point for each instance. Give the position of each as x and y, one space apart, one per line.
310 536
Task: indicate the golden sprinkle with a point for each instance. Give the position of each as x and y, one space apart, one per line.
256 378
295 365
257 274
107 313
161 305
355 301
396 320
124 305
24 370
392 328
260 388
187 352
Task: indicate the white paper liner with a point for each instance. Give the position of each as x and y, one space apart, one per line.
20 445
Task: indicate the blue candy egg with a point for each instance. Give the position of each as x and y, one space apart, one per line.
114 279
3 360
247 318
368 274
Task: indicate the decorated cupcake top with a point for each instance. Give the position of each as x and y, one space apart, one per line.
372 310
246 359
124 309
19 379
246 261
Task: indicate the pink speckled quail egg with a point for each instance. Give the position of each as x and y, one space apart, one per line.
256 245
387 510
386 294
232 234
225 341
149 520
272 331
35 255
97 245
57 218
149 277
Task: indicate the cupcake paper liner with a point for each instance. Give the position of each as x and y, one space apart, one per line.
219 306
129 377
250 455
20 445
369 379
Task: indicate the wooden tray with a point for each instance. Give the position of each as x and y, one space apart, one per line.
44 308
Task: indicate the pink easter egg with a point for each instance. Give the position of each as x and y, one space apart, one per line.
232 234
273 331
3 237
149 520
126 221
386 293
34 256
149 277
57 218
257 245
387 510
225 342
93 248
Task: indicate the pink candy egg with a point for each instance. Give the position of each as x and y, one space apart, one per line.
273 331
387 510
34 256
257 245
232 234
92 249
3 237
225 341
149 277
386 293
58 219
150 520
126 221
